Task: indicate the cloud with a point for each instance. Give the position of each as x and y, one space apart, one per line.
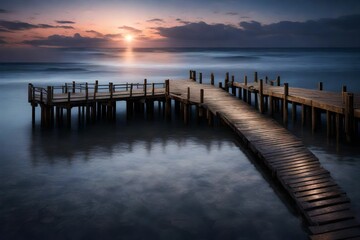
4 11
330 32
96 33
232 13
182 21
156 20
69 41
116 35
64 22
4 30
130 29
108 36
17 25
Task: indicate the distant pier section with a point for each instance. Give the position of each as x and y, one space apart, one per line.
322 203
339 111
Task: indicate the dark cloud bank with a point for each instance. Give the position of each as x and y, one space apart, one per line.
74 41
336 32
17 26
331 32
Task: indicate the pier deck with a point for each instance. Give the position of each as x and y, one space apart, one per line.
322 203
320 200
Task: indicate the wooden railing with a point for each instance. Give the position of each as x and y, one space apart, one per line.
91 91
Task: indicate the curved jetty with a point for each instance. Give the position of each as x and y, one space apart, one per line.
322 203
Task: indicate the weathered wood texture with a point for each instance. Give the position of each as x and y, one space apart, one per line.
320 200
325 100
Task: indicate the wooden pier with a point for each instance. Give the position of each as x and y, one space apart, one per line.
322 203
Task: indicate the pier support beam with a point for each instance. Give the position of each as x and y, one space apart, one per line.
285 103
349 116
261 97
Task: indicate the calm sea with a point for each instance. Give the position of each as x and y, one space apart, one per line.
144 179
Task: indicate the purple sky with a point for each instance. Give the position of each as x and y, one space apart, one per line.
180 23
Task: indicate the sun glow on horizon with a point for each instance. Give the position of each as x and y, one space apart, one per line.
129 38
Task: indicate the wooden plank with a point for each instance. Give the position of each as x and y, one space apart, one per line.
324 203
298 172
310 182
306 179
332 217
321 196
330 209
300 176
340 234
333 226
314 186
291 169
317 191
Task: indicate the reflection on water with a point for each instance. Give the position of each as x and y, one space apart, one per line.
153 179
141 180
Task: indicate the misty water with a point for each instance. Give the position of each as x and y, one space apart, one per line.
154 179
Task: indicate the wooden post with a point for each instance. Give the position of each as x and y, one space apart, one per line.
201 95
110 88
200 108
328 123
73 86
220 85
266 79
255 77
145 87
210 117
240 92
343 93
261 97
167 100
33 114
194 76
278 81
167 87
200 78
337 126
271 104
227 82
212 79
153 90
96 88
233 89
320 86
86 91
293 111
49 96
313 118
349 116
30 92
190 74
68 115
186 113
188 94
131 89
303 114
285 103
66 88
245 90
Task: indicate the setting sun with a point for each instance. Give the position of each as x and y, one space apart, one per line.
129 38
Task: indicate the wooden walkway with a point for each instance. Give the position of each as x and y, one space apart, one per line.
320 200
342 109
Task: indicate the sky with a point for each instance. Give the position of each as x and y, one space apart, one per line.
179 23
